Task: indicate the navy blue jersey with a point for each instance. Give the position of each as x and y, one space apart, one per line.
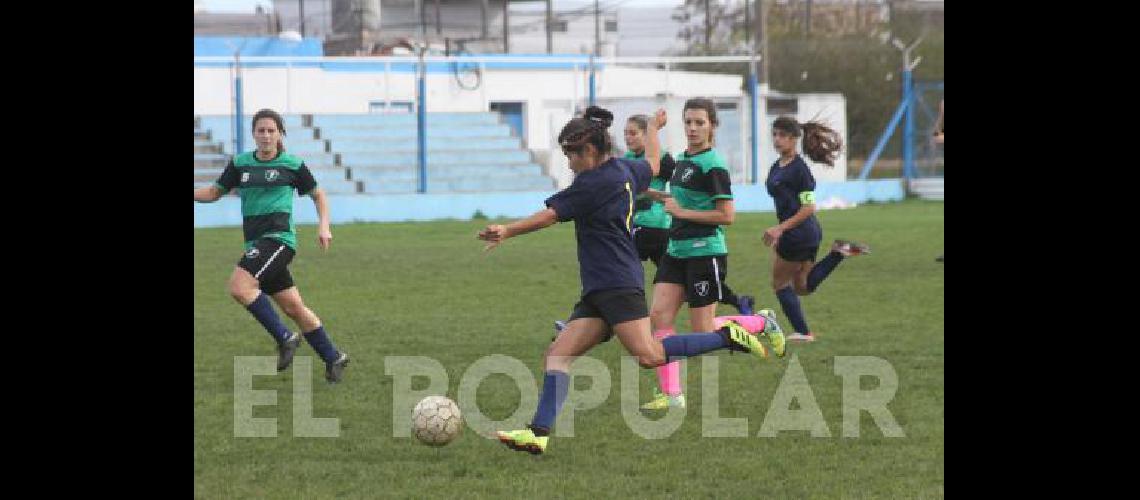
601 204
792 186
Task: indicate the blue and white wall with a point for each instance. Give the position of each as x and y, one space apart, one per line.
423 207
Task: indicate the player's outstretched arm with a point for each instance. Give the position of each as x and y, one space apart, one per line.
207 194
494 234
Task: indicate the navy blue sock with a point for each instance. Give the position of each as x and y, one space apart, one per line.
791 305
321 343
554 389
262 309
823 268
692 344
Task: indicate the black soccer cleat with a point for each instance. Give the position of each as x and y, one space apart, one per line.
286 350
335 371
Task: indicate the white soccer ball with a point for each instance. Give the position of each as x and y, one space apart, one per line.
436 421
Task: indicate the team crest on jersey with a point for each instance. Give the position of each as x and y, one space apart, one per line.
245 176
687 175
702 288
271 175
252 253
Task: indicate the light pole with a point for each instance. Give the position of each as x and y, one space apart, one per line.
907 97
239 137
421 107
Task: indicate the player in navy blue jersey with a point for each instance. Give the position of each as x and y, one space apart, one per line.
601 202
798 235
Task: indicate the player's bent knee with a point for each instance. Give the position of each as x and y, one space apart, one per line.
243 295
296 310
650 361
661 318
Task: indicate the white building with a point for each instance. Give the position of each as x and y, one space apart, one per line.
543 99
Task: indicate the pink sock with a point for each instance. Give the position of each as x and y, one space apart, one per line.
669 374
753 324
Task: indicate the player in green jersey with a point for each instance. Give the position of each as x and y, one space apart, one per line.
694 267
266 179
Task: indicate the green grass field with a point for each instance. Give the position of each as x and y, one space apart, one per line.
428 289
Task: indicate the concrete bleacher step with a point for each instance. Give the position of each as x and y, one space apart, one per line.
210 156
323 121
307 147
411 172
312 160
928 188
403 131
331 186
442 144
198 164
461 185
376 153
214 121
207 147
492 157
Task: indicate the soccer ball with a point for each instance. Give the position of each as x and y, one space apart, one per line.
436 421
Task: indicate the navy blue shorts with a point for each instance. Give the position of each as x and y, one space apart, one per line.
614 306
651 243
797 251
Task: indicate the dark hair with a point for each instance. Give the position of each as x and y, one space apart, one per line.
642 122
821 142
590 128
269 113
709 106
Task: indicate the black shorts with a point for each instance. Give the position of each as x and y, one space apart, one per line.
797 252
267 261
702 277
651 243
614 306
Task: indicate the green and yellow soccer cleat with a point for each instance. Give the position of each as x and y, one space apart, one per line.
662 401
523 440
740 340
773 332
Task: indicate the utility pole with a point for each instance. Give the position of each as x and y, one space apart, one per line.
597 31
708 26
762 38
483 10
808 17
747 23
438 21
506 26
549 20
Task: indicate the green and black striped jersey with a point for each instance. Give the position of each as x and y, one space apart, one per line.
698 181
266 190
